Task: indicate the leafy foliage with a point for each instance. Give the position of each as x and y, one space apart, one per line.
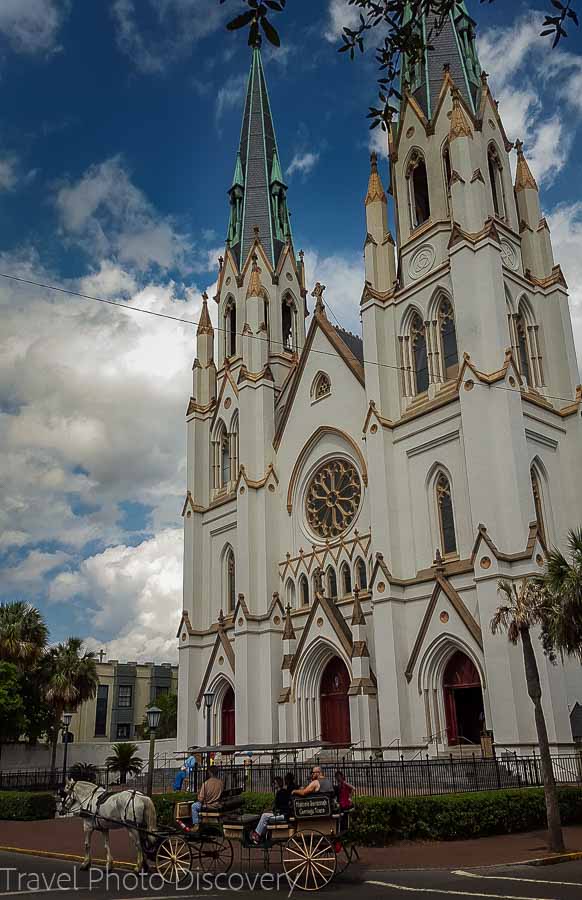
12 719
27 806
124 760
397 22
562 621
168 727
84 772
23 634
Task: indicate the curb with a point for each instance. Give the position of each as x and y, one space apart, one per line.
68 857
555 860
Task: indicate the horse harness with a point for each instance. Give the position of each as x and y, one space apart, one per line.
86 813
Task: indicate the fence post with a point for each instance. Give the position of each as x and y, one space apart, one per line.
475 773
498 772
429 774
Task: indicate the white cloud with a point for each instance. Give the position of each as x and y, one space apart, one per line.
179 25
32 26
340 16
109 215
343 276
230 95
304 163
33 568
565 223
8 173
135 592
379 142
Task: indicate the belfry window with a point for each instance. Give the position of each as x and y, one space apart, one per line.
287 323
230 330
224 460
445 514
331 584
448 173
304 591
361 574
346 578
418 190
496 181
522 345
230 581
448 337
537 496
420 355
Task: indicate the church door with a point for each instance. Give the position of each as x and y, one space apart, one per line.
335 704
463 701
227 732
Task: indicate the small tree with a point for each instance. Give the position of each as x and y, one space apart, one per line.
168 727
12 720
124 760
562 626
72 679
84 772
23 634
523 608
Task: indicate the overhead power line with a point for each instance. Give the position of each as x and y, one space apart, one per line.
256 337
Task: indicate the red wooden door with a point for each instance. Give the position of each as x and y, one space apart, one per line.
227 729
463 718
335 704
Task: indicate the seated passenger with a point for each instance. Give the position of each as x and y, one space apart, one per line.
208 796
318 784
281 806
343 791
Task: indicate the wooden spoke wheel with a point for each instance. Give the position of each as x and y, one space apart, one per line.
214 854
173 859
345 855
309 861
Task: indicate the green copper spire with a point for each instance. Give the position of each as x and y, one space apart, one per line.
453 47
258 196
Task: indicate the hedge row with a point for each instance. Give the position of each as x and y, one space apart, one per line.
28 806
376 822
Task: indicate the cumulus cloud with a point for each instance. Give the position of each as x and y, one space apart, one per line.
32 26
230 96
340 16
33 568
136 593
304 163
109 215
343 275
178 25
565 223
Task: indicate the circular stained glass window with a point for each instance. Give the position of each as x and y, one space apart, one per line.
333 498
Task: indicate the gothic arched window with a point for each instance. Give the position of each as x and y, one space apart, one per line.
445 515
537 496
361 574
290 593
321 386
224 459
496 181
304 591
230 329
331 583
418 190
346 580
288 323
448 173
448 340
230 581
419 353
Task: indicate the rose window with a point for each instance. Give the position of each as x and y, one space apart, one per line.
333 498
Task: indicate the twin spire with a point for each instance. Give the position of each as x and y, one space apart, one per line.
258 194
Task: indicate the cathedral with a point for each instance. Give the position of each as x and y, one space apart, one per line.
353 501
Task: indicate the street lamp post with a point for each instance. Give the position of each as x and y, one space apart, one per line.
153 715
208 701
66 722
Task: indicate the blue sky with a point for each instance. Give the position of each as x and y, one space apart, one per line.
119 121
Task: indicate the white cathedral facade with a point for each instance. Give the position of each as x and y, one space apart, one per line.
353 502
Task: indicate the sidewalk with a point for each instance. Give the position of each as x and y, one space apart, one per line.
65 837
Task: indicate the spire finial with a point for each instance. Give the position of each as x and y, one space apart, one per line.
204 323
460 126
375 187
255 288
288 631
524 179
358 617
318 294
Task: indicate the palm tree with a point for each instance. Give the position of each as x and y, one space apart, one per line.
524 608
562 627
124 761
72 680
23 634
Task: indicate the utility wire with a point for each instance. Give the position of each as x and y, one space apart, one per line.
158 315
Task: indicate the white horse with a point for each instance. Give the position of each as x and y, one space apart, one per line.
103 811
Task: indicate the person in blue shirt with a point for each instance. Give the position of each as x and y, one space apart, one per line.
180 778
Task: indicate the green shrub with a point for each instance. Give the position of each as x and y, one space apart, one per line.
377 821
25 805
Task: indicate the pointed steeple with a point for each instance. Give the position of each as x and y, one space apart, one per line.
375 187
523 175
204 323
452 46
258 192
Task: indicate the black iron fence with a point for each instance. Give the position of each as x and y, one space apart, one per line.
376 778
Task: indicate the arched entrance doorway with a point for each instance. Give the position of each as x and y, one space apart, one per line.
335 704
463 700
227 729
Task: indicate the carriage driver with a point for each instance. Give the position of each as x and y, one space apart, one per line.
318 784
209 795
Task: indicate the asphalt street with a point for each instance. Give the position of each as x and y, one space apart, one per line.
20 875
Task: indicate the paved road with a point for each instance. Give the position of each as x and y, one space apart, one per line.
51 879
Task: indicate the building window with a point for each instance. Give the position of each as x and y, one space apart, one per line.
346 577
125 696
333 498
101 710
448 174
445 513
290 593
361 574
288 323
537 496
224 460
420 355
331 583
418 190
525 340
496 181
448 341
304 590
123 732
230 581
161 690
230 329
321 386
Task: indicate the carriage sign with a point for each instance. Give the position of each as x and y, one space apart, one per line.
312 808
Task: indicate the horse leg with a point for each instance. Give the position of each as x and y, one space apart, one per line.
108 856
88 834
141 865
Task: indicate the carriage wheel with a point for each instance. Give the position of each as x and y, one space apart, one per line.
309 861
214 854
173 860
345 854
